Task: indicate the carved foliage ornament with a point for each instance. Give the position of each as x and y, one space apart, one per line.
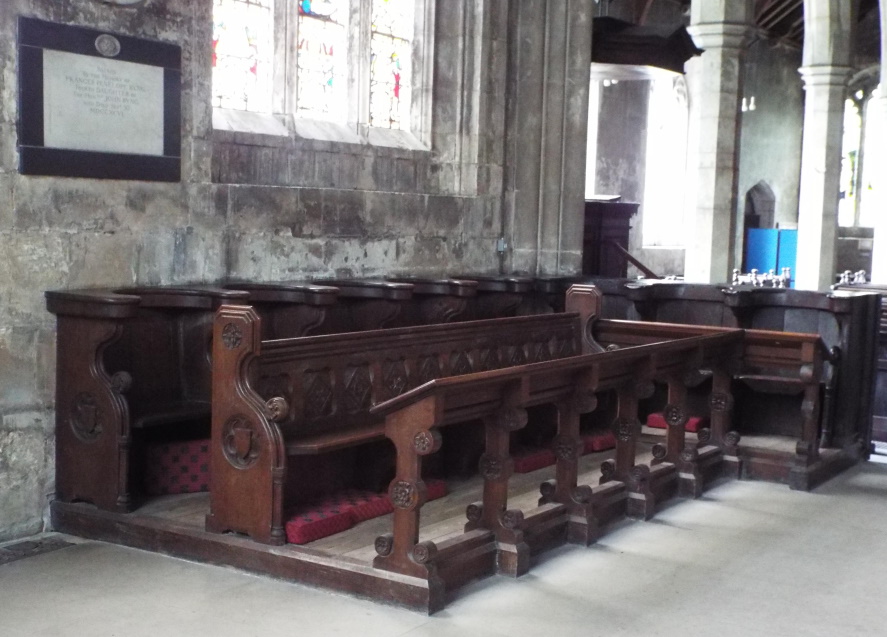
232 336
491 467
394 377
318 393
721 401
566 448
625 429
426 442
675 416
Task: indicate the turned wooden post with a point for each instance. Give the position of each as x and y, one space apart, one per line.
412 430
496 467
583 526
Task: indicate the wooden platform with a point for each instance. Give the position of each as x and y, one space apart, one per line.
173 525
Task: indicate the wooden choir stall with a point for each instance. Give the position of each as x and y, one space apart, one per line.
397 439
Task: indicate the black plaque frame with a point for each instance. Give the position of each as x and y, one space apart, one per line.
37 159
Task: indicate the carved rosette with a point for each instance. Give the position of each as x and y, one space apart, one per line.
424 552
427 442
732 438
511 418
566 448
276 409
491 467
474 512
512 519
690 454
85 419
240 442
121 382
659 451
721 401
403 494
674 415
384 544
608 470
232 336
703 436
625 429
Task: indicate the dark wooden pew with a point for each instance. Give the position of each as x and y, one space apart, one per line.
771 363
275 402
497 538
128 361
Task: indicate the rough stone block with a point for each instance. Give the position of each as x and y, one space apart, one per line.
26 472
35 262
443 216
99 260
311 206
263 208
18 377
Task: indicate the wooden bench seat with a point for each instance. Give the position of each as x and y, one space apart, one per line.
307 396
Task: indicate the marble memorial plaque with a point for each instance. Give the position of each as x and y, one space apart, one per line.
97 104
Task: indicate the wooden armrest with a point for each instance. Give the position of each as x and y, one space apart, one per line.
773 384
334 440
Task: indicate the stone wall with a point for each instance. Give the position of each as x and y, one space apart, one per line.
284 202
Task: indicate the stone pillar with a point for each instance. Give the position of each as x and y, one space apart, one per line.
721 28
879 254
546 125
826 91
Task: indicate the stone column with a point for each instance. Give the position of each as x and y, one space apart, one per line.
879 254
826 91
546 125
721 28
825 71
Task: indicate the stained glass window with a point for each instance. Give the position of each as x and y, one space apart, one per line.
322 58
242 54
390 65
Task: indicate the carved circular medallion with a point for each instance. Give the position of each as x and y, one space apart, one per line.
583 494
107 45
513 519
608 470
240 444
689 455
732 438
277 408
474 512
384 544
639 473
426 442
403 494
625 429
703 436
424 552
491 468
565 448
232 336
85 418
659 451
674 415
121 382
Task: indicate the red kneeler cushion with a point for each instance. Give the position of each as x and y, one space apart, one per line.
177 467
342 510
694 423
530 459
600 441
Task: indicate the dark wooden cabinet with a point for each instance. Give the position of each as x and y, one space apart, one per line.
607 222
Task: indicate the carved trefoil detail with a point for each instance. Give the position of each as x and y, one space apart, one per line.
232 336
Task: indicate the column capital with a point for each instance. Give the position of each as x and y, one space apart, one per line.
825 75
720 35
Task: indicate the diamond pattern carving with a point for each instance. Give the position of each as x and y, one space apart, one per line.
358 388
318 393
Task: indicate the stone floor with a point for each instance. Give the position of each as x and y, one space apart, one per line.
749 558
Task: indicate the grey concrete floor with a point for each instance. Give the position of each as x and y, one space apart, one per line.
749 558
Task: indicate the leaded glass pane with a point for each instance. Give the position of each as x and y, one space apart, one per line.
322 59
242 54
391 63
